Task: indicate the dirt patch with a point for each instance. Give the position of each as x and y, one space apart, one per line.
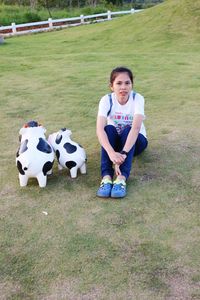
181 288
146 177
7 190
68 290
196 179
86 221
8 289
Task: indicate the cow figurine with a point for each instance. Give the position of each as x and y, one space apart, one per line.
69 154
35 156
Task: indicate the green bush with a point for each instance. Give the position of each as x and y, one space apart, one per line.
31 17
89 10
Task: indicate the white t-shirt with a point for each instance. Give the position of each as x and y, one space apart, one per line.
122 115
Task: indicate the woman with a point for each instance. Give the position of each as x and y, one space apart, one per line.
120 131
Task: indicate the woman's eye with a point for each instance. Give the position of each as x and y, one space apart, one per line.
126 83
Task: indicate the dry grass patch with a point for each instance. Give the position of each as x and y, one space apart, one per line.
181 287
9 290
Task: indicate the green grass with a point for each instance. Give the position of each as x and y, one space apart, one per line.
145 246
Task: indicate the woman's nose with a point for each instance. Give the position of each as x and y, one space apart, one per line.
123 86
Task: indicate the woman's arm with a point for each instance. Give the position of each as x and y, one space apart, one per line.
115 157
131 139
133 134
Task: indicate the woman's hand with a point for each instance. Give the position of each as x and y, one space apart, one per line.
117 166
116 157
117 170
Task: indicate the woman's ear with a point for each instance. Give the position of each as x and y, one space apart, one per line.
111 86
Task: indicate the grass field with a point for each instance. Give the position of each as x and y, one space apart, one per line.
145 246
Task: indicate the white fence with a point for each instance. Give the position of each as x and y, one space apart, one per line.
17 29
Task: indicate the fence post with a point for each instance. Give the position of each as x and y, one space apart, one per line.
109 14
14 30
50 23
82 19
1 39
132 10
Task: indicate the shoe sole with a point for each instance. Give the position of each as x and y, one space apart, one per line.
117 197
103 196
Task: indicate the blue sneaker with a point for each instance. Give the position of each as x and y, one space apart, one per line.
105 188
118 189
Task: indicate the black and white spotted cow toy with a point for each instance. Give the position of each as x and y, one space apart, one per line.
35 156
69 154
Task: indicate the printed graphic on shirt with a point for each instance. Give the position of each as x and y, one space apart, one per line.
121 121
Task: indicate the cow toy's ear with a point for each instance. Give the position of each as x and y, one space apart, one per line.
68 132
44 129
22 130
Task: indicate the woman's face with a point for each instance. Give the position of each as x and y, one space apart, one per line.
122 87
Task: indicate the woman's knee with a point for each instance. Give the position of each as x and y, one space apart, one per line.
126 129
112 135
141 144
110 129
124 135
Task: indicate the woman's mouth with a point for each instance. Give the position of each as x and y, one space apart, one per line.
123 93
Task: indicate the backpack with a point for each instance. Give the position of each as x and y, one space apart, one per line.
111 102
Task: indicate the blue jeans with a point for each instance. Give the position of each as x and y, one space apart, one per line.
118 141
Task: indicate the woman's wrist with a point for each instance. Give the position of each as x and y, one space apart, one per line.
124 152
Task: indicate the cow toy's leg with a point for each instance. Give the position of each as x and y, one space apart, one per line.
83 169
73 172
23 180
42 179
50 172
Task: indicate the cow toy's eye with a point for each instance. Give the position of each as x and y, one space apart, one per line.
63 129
